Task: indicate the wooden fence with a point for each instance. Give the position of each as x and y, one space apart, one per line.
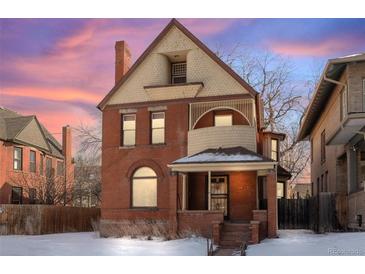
317 213
45 219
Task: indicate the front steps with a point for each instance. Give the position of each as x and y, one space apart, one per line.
233 235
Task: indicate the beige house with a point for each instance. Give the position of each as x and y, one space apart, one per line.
334 123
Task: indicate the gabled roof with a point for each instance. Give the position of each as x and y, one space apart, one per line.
333 70
224 155
12 125
200 44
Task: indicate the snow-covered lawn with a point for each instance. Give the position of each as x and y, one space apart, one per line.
89 244
304 242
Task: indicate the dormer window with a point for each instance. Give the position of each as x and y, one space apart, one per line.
178 73
274 149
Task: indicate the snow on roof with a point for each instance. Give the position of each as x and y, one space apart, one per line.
223 155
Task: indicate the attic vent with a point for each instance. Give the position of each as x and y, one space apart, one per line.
178 73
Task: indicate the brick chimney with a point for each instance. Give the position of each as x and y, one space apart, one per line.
67 154
122 59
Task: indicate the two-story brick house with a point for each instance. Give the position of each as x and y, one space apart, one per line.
334 123
184 143
32 162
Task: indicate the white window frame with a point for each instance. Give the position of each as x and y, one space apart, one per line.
124 130
138 179
158 128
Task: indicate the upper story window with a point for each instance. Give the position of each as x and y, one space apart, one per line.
221 120
178 73
343 107
41 165
128 130
59 168
32 161
275 149
48 167
323 146
18 158
158 128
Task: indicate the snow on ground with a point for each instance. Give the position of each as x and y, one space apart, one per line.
89 244
307 243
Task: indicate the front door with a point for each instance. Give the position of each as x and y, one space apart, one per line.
219 194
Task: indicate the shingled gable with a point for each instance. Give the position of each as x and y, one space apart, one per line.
200 44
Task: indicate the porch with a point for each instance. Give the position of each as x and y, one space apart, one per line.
227 187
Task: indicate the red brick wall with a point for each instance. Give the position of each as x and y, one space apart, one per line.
261 216
271 205
119 163
198 221
242 191
8 176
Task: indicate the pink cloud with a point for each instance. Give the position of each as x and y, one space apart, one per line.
322 48
207 26
62 94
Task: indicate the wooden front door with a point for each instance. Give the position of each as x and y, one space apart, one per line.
219 194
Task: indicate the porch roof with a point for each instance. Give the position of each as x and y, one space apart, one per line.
232 158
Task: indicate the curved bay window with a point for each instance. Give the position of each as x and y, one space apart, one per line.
144 188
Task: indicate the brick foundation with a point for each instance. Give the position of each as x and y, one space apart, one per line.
200 222
261 216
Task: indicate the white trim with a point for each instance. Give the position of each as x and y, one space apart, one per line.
203 167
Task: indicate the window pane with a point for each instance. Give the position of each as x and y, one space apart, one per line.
158 136
144 192
222 120
274 149
129 122
144 172
158 120
129 138
280 190
17 161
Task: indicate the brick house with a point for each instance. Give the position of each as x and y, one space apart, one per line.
334 123
184 144
29 157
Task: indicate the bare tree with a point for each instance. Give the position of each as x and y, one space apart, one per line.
272 76
89 138
87 185
50 189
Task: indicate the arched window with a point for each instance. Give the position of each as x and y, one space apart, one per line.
144 188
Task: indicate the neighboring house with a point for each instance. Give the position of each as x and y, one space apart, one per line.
32 162
184 143
334 123
300 189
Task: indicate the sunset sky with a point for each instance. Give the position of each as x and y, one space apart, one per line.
59 69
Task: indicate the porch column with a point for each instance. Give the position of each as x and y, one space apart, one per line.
184 191
209 190
271 204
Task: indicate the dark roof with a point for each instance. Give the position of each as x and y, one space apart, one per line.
333 70
224 155
283 173
12 123
200 44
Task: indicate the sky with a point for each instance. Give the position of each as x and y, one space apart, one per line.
60 69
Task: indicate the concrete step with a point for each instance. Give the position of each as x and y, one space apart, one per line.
230 243
236 235
232 227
